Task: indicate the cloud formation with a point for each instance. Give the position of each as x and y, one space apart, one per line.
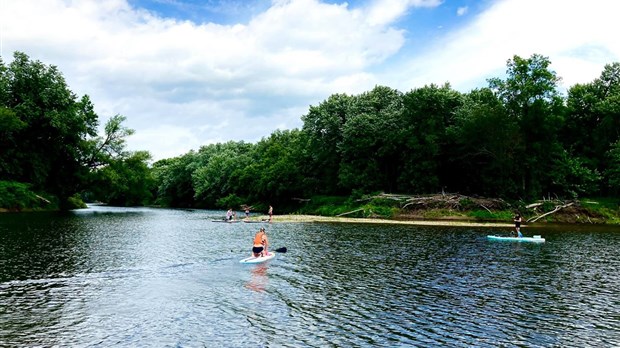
183 84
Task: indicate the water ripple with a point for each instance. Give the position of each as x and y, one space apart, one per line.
155 277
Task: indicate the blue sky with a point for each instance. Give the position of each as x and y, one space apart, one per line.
188 73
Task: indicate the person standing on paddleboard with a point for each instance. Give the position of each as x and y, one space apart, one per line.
260 243
517 220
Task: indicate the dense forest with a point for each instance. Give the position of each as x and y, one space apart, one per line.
519 138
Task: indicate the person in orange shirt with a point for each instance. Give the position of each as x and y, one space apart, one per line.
261 242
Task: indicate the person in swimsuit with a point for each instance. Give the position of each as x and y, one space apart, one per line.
517 220
259 247
229 214
270 212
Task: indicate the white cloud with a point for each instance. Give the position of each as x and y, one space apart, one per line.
461 11
164 74
183 84
578 37
384 12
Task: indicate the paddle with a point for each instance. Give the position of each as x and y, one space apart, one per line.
281 250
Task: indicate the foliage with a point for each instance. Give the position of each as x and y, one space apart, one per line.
217 171
613 169
530 96
323 131
48 135
327 205
485 215
16 196
75 202
518 139
173 179
441 213
125 181
369 147
51 124
427 113
231 201
482 157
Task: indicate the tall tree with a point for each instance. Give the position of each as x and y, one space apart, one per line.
370 144
483 155
531 97
216 173
612 172
427 113
173 178
592 125
125 181
276 177
323 127
50 124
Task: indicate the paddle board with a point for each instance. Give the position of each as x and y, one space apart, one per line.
253 259
228 221
534 239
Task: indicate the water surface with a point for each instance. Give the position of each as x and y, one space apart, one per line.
129 277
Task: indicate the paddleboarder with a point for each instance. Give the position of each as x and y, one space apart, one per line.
259 248
517 220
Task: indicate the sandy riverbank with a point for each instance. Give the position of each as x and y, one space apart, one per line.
314 218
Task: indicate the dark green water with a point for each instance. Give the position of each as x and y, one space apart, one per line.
114 277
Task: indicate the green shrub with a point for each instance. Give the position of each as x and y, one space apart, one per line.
379 211
230 201
486 215
17 196
467 204
75 202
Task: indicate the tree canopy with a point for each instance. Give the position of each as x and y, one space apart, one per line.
518 137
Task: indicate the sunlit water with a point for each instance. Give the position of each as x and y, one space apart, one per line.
140 277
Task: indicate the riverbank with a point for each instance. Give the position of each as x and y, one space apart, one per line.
456 210
336 219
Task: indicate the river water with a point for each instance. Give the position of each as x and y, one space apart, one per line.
141 277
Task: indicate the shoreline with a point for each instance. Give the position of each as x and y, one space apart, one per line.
336 219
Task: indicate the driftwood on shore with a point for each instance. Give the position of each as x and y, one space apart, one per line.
350 212
43 199
453 201
557 208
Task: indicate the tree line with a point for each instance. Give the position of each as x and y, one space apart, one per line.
519 138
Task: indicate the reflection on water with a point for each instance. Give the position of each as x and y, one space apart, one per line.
156 277
258 279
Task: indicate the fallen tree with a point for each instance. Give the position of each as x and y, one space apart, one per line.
555 210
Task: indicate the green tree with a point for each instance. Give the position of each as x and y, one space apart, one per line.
126 181
47 118
531 97
274 176
323 127
217 171
592 124
370 146
173 178
612 172
101 150
483 155
427 113
10 156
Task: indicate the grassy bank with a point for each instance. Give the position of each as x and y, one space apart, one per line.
17 197
454 207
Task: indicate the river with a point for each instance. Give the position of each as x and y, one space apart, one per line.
145 277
